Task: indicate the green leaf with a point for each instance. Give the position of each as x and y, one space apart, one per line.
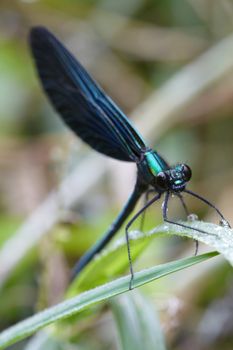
77 304
44 340
114 260
111 262
218 237
137 322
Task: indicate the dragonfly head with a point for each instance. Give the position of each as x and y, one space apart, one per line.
174 179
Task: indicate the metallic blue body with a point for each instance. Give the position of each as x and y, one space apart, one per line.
96 119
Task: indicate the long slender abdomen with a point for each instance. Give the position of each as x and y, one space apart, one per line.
115 226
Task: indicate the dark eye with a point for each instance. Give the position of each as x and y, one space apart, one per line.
162 180
187 172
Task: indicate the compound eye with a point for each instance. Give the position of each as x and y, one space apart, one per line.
187 172
162 180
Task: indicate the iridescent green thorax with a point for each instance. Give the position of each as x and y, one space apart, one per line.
155 163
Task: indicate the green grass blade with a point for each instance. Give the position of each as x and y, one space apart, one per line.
137 323
77 304
218 237
113 260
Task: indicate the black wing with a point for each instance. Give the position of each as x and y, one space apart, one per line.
82 104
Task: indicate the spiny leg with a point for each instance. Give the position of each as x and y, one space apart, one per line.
187 214
208 203
144 212
165 218
183 203
154 199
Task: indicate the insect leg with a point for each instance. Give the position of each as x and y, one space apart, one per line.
208 203
165 218
183 203
146 198
154 199
114 227
187 214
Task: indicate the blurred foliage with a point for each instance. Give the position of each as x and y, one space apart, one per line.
131 48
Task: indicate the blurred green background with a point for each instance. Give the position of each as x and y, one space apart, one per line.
142 53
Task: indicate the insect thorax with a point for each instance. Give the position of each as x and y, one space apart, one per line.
150 166
153 170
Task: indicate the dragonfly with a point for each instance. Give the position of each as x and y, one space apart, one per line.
93 116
